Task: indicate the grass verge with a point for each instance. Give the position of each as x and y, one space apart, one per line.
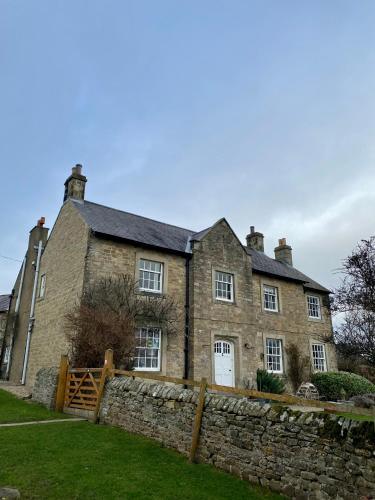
15 410
80 460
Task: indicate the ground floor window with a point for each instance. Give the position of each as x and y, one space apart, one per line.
274 355
319 357
6 355
147 349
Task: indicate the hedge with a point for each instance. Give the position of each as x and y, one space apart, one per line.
341 385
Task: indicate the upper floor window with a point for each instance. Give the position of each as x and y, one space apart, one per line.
274 355
150 276
42 286
270 298
147 349
313 305
319 357
224 286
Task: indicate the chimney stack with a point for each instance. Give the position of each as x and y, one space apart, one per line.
255 240
283 253
75 184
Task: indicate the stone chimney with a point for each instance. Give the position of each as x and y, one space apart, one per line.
283 253
255 240
75 184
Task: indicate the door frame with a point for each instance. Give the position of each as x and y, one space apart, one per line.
232 343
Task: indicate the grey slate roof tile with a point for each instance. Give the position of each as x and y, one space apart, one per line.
116 223
133 227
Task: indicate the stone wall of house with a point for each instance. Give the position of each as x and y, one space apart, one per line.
45 386
63 263
291 323
211 319
302 455
244 322
108 257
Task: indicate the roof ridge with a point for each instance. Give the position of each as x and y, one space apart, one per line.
140 216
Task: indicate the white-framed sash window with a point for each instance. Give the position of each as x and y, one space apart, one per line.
147 349
224 286
270 298
150 276
319 357
313 305
42 286
274 355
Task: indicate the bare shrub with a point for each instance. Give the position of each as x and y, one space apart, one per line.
107 316
298 366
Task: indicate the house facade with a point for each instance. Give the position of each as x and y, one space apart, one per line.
240 309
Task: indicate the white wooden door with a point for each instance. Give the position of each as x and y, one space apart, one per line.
224 363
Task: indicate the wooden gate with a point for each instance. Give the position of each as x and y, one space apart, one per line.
82 388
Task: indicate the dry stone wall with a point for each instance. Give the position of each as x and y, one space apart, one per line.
44 390
303 455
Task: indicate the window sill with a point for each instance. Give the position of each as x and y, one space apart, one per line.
148 370
270 311
224 302
151 293
315 320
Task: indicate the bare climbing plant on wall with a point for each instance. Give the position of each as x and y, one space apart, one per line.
106 317
299 368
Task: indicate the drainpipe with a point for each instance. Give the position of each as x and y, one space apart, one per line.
187 319
32 310
16 309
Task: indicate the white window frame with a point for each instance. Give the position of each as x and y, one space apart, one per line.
6 355
144 368
317 304
42 286
223 274
276 295
279 355
160 273
319 362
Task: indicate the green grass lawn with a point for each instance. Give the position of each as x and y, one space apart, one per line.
354 416
80 460
13 409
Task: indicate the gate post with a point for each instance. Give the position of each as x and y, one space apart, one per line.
108 365
63 372
198 419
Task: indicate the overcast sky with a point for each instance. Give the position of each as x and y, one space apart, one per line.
188 111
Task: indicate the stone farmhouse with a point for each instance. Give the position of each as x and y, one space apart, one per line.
240 309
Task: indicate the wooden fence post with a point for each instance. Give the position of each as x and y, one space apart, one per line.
198 419
61 385
108 365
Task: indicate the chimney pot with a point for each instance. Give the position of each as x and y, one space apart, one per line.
77 169
41 222
252 229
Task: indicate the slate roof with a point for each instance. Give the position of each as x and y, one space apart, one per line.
264 264
118 224
4 303
125 225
